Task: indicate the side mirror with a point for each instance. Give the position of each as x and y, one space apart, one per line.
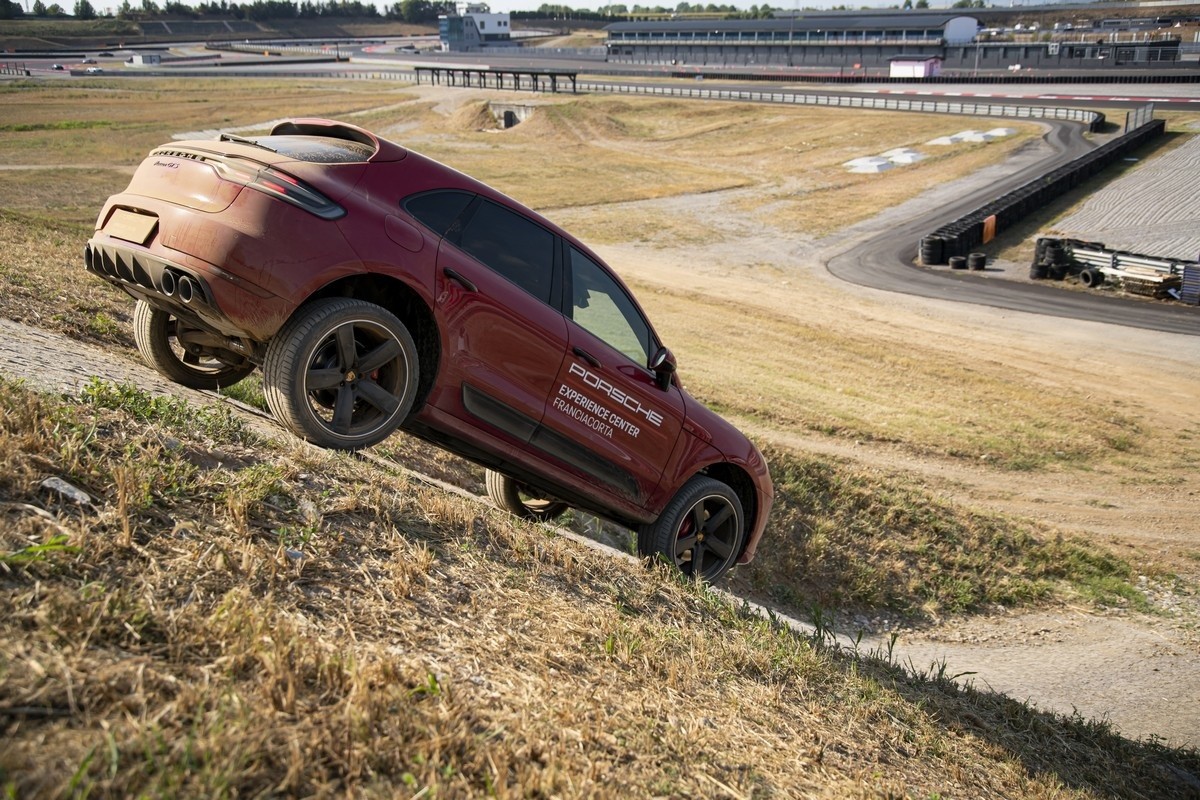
662 364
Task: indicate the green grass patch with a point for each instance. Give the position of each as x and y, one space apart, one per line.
167 412
60 125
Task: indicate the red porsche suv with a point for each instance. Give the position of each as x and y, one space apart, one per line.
379 289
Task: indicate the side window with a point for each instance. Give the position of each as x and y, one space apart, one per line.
438 210
601 307
513 246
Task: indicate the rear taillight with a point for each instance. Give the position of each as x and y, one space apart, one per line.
278 184
263 178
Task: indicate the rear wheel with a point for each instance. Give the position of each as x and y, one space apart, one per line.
701 531
342 373
522 499
188 355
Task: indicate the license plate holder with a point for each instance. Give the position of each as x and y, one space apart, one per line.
130 226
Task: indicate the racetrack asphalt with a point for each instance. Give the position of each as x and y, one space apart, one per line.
886 261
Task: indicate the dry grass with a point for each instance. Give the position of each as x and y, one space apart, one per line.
601 150
116 122
853 379
230 617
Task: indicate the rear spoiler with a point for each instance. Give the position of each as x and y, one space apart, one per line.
384 150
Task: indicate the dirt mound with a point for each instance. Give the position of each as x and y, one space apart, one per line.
472 117
576 121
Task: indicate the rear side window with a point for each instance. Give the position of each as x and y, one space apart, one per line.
438 210
513 246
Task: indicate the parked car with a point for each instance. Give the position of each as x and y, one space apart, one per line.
379 289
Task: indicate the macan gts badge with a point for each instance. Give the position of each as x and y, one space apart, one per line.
379 289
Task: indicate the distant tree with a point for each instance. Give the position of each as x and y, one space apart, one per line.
55 10
39 8
150 8
84 10
908 4
415 11
922 3
178 9
10 10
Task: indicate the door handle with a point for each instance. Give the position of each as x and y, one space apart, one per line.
586 356
461 280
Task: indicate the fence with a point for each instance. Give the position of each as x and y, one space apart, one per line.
1093 119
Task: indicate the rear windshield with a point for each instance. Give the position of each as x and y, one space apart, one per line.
318 149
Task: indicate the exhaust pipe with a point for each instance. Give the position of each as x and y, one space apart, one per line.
167 283
187 288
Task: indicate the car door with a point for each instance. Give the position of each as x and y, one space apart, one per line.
503 338
607 416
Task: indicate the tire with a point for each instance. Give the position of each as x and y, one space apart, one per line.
342 373
522 500
701 531
1091 278
189 356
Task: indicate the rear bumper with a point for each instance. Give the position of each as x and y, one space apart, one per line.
197 291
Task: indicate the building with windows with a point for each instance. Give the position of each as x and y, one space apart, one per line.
473 27
808 39
840 41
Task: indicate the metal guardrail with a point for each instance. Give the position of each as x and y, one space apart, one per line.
1121 263
1093 119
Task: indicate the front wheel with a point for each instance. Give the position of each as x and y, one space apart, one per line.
701 531
521 499
185 354
342 373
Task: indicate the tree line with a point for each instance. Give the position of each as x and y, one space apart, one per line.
413 11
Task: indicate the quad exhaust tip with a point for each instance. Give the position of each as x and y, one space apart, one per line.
187 288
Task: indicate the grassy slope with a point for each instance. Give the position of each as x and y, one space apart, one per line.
399 584
232 617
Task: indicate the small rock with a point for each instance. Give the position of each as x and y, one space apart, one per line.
67 491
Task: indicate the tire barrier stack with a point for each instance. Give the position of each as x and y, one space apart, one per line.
960 237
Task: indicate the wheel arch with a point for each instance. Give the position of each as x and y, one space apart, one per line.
408 305
739 480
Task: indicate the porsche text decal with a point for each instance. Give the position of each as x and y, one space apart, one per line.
598 416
